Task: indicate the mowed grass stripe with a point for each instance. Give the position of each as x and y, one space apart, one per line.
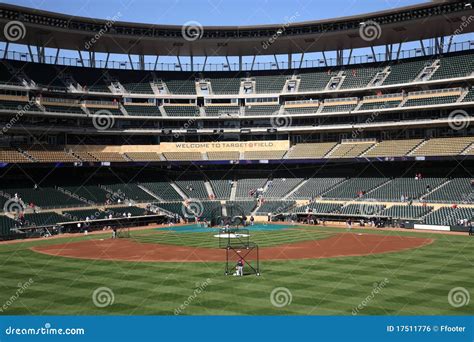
263 239
419 280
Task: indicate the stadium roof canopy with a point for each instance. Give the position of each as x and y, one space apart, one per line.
411 23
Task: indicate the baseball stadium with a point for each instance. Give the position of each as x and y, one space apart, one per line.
309 167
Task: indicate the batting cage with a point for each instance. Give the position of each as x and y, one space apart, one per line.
242 255
123 232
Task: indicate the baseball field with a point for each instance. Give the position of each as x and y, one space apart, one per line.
179 271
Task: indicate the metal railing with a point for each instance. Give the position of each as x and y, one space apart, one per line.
151 66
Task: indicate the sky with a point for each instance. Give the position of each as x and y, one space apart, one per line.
213 12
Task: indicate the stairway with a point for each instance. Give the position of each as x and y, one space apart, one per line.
26 155
417 148
369 149
210 191
467 150
463 95
438 187
150 193
331 151
233 191
179 191
427 72
288 195
359 104
377 187
123 110
162 111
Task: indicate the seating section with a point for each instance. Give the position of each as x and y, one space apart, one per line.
205 211
45 197
16 105
82 215
358 77
42 219
409 188
469 151
301 110
193 188
317 208
221 188
345 149
311 150
211 210
362 209
222 111
428 101
182 110
379 105
182 156
128 192
443 146
100 88
405 71
143 156
225 86
457 190
470 96
138 88
85 156
8 155
454 66
280 187
185 87
261 110
163 190
355 187
66 108
449 216
350 150
264 155
173 207
6 224
52 156
108 156
315 81
125 211
314 187
330 107
239 207
232 155
143 110
409 212
275 207
246 187
113 110
86 194
270 84
393 148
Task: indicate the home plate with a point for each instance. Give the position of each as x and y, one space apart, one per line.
230 236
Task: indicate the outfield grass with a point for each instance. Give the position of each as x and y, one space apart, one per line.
419 280
262 238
